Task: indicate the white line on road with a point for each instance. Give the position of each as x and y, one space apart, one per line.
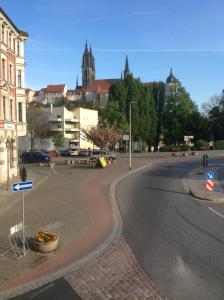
217 213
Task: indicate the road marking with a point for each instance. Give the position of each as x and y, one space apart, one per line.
217 213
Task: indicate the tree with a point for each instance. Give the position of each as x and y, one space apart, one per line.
101 136
37 123
58 140
178 109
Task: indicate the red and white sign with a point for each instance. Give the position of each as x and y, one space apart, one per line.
7 126
210 185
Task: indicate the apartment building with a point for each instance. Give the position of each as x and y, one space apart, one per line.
69 124
12 95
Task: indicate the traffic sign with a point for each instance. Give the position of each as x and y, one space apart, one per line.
210 175
210 185
22 186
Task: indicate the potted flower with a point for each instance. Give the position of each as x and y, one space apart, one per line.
45 241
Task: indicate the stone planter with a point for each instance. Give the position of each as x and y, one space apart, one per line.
46 247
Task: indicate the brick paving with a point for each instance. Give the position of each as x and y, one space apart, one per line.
115 274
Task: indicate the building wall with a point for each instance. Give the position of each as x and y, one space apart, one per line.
12 95
69 123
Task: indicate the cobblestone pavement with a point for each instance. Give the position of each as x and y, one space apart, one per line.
115 274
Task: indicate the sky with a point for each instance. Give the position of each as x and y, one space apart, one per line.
186 35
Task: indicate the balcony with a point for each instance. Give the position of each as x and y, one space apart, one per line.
56 129
55 119
72 129
71 120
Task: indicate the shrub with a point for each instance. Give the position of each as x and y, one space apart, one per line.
165 148
184 147
200 144
219 145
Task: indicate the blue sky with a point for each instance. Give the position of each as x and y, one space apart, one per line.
186 35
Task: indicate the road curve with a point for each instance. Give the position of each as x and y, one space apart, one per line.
178 240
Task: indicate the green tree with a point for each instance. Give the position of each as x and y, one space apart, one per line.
177 110
58 140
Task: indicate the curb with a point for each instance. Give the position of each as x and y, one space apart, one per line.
116 231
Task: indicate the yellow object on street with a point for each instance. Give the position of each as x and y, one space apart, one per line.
102 161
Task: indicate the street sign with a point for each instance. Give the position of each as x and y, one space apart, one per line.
22 186
125 137
210 175
210 185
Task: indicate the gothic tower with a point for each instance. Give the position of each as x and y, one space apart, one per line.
170 84
88 67
126 69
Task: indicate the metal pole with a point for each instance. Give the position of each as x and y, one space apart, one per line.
23 221
7 167
130 166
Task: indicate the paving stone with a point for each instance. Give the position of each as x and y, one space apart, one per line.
117 276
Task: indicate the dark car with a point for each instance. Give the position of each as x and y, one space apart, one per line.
35 157
69 152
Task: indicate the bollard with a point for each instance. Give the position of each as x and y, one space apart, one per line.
205 160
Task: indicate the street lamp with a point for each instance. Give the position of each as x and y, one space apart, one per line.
130 165
8 143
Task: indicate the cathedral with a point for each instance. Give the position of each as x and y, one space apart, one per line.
98 89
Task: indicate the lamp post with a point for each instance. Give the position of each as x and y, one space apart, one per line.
130 165
8 143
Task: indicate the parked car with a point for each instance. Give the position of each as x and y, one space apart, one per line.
35 157
50 153
95 153
69 152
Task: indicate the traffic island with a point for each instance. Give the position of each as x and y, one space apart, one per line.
197 183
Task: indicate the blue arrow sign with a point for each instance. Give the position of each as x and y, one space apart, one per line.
210 175
22 186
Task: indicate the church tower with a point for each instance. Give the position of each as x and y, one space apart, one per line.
126 69
170 84
88 67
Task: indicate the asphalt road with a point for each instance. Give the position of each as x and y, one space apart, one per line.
178 240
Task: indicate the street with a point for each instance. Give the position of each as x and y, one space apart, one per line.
177 239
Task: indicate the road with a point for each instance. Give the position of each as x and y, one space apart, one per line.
178 240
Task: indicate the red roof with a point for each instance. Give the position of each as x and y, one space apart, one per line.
57 88
100 86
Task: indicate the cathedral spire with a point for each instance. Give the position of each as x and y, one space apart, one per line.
126 70
77 81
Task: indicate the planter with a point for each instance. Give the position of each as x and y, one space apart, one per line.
46 247
194 153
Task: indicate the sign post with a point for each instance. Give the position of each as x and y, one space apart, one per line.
210 176
23 186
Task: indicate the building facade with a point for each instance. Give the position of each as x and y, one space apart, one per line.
12 95
70 123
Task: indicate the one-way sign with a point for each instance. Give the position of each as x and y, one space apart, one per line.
22 186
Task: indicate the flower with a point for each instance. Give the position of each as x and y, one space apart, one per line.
44 237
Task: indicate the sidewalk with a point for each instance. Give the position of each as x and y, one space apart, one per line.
196 183
97 245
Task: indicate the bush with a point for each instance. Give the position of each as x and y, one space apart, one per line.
201 145
165 148
184 147
219 145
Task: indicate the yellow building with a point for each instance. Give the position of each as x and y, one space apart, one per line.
69 124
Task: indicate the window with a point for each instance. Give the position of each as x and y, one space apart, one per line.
19 78
3 33
10 40
11 110
20 112
4 107
10 74
18 48
3 69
